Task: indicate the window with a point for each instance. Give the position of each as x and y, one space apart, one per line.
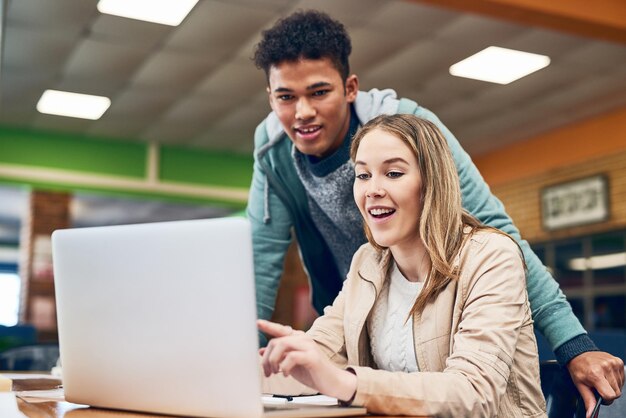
578 308
608 313
564 273
9 298
607 246
591 271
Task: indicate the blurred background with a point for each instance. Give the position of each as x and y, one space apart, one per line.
175 140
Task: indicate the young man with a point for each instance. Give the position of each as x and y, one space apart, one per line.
303 180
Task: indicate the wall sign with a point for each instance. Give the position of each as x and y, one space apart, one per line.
575 203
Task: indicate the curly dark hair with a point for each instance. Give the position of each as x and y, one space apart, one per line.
309 34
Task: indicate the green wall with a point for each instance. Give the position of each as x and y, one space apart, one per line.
201 167
78 154
74 153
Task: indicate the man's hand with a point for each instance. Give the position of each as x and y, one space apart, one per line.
600 371
293 353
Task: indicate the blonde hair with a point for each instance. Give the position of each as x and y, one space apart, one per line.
443 218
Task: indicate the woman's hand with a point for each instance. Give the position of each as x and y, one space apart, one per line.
293 353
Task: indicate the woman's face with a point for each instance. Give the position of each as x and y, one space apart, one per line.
387 189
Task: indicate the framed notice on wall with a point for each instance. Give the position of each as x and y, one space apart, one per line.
575 203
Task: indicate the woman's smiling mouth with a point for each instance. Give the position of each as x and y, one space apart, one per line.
381 213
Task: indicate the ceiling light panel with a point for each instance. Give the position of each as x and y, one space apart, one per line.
73 105
165 12
499 65
598 262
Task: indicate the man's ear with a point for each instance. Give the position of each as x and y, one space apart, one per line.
269 96
352 88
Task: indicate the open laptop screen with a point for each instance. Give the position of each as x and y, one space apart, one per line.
159 317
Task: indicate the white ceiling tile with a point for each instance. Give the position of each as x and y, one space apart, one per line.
27 48
495 99
245 51
371 47
593 56
448 85
69 16
593 91
143 103
488 135
16 115
606 104
24 86
174 69
406 19
236 130
217 29
430 99
411 66
462 109
20 93
130 31
97 60
543 41
132 112
475 32
273 5
233 83
107 87
61 124
245 117
350 13
195 108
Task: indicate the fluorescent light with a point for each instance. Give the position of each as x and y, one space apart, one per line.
499 65
598 262
74 105
165 12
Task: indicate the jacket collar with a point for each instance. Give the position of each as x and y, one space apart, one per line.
374 269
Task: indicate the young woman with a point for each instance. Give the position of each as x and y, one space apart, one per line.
433 318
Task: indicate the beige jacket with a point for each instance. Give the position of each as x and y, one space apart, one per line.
475 346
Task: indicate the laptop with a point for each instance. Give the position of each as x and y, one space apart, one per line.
161 318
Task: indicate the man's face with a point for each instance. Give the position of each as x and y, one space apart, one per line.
312 103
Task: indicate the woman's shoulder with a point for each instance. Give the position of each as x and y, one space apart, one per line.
489 245
489 239
491 262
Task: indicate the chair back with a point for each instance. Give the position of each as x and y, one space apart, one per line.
617 409
562 397
40 357
16 336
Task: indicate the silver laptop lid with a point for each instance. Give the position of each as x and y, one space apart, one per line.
144 312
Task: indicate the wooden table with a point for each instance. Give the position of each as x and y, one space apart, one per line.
65 409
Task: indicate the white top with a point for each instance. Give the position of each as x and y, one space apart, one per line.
391 334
